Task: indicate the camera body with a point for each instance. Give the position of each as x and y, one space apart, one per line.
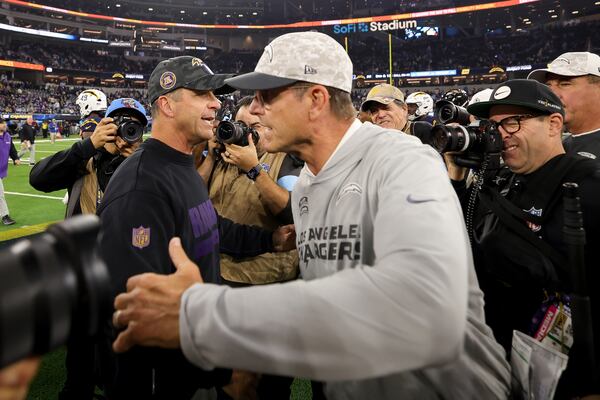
471 144
52 286
235 132
128 128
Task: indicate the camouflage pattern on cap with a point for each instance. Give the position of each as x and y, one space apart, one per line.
300 56
569 64
384 94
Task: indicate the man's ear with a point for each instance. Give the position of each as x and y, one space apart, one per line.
320 100
166 106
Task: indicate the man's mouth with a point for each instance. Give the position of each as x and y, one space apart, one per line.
509 148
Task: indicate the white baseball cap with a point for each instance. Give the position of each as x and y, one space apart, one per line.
569 64
300 56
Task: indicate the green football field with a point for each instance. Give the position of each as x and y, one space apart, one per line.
33 211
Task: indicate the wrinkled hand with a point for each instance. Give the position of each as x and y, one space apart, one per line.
150 309
243 157
284 238
15 379
243 385
105 132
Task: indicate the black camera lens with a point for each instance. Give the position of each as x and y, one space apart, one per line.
451 138
52 285
130 130
447 112
235 133
228 132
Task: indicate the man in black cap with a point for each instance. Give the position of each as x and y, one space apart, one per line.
156 195
519 250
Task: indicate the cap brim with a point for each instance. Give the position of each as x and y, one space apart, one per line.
380 100
258 81
215 83
538 75
541 74
143 119
482 109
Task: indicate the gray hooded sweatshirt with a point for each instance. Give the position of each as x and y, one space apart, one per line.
389 307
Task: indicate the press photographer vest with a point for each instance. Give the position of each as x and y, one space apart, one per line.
236 197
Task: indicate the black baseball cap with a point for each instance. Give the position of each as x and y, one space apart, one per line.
520 92
185 72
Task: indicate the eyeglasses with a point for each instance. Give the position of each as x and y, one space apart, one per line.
268 96
513 124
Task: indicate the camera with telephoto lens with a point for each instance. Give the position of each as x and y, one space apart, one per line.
236 132
128 128
52 286
447 112
471 143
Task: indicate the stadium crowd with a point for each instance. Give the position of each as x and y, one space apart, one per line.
502 48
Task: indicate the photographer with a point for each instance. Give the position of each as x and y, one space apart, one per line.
575 78
85 170
514 273
385 104
88 165
251 186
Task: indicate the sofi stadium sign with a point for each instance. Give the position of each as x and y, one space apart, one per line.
374 26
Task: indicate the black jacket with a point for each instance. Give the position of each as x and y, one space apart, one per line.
27 133
63 169
513 273
155 195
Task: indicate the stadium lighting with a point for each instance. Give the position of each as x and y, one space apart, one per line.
597 3
575 12
204 13
508 26
182 11
228 16
528 22
254 13
150 9
554 16
240 15
117 5
550 11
